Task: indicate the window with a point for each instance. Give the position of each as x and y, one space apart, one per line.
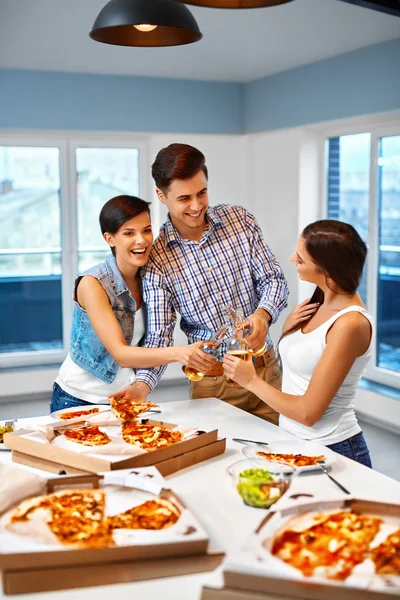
50 199
363 188
102 173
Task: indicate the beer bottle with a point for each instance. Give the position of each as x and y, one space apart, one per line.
238 320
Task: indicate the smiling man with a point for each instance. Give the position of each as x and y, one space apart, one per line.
205 258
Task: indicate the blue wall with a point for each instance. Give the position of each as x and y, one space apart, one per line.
356 83
50 100
361 82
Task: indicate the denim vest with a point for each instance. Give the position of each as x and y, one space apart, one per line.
86 349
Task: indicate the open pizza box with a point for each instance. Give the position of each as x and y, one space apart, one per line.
256 570
41 447
33 559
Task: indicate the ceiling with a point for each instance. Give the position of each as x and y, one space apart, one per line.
238 45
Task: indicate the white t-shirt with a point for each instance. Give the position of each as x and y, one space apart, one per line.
79 383
300 354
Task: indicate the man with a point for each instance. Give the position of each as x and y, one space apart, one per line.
205 258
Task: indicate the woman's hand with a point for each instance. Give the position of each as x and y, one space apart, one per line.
192 356
241 371
302 312
135 393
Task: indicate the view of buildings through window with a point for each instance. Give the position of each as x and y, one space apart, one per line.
349 199
31 315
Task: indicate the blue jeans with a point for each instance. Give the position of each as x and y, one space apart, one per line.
355 448
61 399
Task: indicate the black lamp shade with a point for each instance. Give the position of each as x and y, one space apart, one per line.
175 23
236 3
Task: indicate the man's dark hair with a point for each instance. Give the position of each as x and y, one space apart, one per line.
177 161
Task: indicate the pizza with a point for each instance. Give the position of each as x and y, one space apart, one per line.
77 518
78 413
386 556
70 517
296 460
326 544
129 411
88 436
149 437
152 514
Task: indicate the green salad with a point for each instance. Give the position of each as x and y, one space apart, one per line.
258 488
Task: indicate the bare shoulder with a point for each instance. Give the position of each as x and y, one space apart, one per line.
352 329
354 322
88 288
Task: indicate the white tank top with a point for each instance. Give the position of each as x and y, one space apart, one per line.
300 353
79 383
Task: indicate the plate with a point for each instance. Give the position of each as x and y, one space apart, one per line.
102 407
293 447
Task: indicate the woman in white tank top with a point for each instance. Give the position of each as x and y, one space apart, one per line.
325 344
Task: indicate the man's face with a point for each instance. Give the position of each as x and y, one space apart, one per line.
187 202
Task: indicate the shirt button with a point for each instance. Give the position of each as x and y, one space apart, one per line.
219 293
209 269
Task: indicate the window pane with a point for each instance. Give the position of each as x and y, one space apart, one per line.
102 173
348 185
388 329
30 253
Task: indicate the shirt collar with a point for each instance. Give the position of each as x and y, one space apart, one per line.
172 235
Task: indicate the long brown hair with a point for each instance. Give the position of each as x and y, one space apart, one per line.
339 252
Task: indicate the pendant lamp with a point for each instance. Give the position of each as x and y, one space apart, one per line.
236 3
145 23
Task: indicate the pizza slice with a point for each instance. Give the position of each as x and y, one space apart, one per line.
70 517
149 437
87 436
152 514
296 460
129 411
386 556
78 413
330 546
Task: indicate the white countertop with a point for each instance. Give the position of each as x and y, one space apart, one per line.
208 491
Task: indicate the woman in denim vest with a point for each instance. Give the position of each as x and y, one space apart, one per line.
109 320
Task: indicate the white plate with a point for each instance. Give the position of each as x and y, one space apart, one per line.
102 407
293 447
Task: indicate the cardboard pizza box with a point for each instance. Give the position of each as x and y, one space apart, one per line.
212 593
47 453
166 467
253 571
28 567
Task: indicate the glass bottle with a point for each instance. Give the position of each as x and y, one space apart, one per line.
237 346
237 319
209 347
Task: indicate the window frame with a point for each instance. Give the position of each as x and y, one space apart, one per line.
381 128
67 142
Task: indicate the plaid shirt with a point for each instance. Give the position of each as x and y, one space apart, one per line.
231 264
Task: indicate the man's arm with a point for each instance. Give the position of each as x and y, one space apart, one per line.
270 282
160 325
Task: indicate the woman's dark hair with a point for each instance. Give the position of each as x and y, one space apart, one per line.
177 161
338 251
118 211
